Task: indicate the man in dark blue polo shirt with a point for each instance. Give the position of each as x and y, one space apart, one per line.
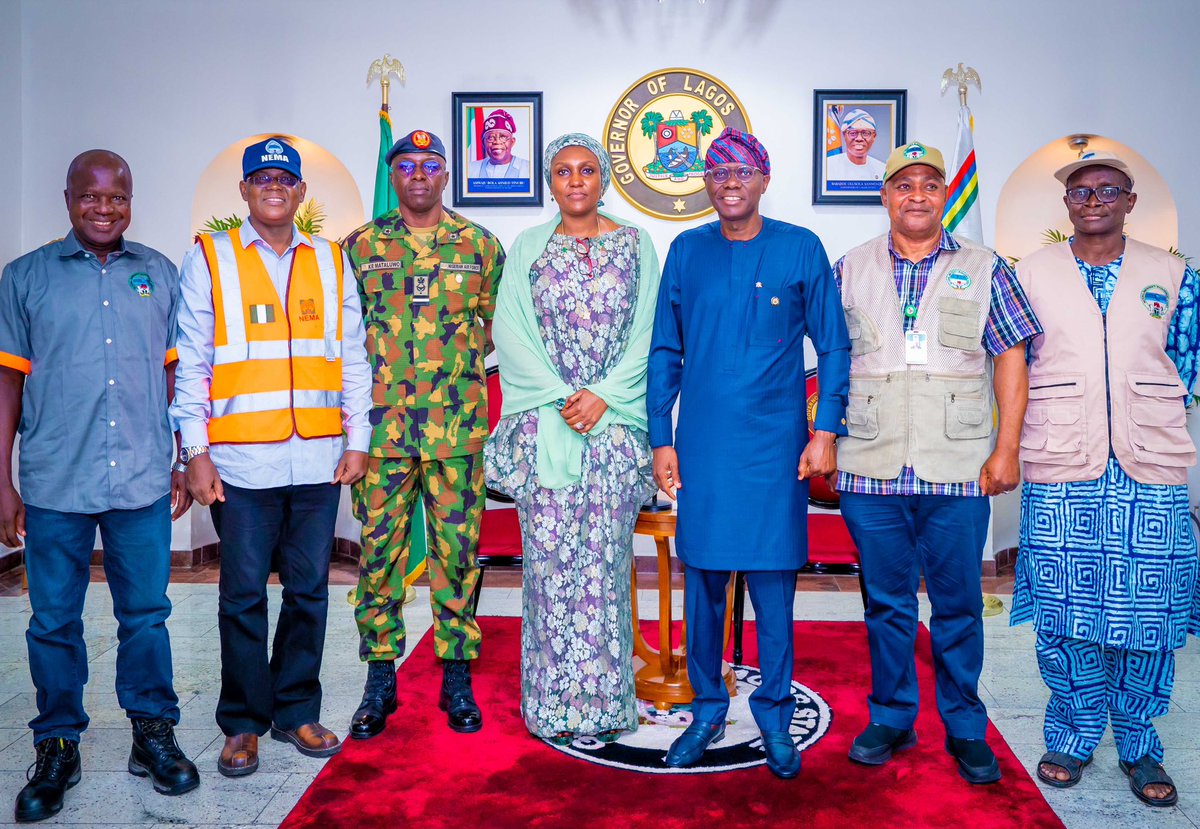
87 354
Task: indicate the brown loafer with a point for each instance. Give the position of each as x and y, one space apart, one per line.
311 739
239 757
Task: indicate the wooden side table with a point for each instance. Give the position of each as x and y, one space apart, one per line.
660 676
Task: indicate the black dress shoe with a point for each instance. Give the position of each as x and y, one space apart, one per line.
56 769
976 762
157 755
379 700
878 742
456 699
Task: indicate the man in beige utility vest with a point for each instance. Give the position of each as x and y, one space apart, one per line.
1107 568
937 333
272 372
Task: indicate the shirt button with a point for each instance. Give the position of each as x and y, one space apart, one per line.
114 423
103 270
112 463
112 382
106 303
108 341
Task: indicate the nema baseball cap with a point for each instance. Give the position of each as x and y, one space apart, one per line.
1097 159
272 154
914 153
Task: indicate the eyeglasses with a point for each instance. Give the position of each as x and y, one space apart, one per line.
1105 195
583 247
430 167
855 134
721 174
265 180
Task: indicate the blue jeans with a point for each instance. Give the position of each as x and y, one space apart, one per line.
901 537
137 564
284 689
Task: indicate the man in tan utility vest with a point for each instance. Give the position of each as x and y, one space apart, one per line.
1107 568
272 372
936 325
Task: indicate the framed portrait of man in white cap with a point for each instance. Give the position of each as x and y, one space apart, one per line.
497 149
854 130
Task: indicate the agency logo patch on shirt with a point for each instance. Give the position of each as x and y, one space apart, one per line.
1156 299
308 310
142 284
958 280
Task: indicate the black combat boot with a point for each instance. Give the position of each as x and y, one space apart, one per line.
456 699
156 754
56 769
379 700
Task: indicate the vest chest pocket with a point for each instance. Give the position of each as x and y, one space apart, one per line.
968 416
958 323
862 417
864 336
1158 421
1054 427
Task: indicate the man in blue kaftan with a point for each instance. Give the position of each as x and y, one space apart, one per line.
737 298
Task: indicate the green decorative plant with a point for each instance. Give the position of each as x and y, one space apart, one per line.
310 219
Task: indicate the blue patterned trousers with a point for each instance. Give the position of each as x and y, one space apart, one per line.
1092 684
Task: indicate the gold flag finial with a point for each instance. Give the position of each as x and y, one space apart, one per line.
961 77
384 69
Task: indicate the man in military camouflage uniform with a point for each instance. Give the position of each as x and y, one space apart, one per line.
427 278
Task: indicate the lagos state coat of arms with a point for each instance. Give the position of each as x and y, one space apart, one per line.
657 134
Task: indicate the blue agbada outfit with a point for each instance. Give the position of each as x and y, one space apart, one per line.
1110 602
728 343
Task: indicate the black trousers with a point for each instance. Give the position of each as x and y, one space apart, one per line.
252 523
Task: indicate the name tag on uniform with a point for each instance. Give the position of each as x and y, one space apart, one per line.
420 291
376 266
469 267
916 348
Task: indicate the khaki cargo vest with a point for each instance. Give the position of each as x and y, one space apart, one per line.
935 417
1081 356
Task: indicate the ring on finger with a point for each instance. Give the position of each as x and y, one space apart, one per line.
579 426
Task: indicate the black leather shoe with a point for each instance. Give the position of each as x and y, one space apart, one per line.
379 700
56 769
689 746
878 742
976 762
462 713
782 758
156 754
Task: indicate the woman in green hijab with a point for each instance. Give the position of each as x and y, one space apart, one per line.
572 333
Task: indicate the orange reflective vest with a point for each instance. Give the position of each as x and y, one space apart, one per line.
277 367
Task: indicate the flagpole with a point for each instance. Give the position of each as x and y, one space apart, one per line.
962 215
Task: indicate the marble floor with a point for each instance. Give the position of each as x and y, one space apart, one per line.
109 797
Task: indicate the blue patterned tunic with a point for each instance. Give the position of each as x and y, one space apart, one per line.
577 622
1113 561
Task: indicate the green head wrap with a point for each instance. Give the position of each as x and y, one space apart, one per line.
578 139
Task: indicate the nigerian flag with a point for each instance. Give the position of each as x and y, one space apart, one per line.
962 216
385 202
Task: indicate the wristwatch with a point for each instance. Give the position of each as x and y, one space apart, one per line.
181 468
187 453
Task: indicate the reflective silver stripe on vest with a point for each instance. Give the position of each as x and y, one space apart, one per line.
332 349
270 350
269 401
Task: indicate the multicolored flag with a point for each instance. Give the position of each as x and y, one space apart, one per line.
833 130
475 133
385 202
962 216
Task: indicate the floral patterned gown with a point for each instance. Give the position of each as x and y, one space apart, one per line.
576 633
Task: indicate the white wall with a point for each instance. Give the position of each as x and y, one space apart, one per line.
11 145
181 80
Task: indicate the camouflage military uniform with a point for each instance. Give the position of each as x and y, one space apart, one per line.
422 306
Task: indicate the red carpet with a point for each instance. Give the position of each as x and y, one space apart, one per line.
420 774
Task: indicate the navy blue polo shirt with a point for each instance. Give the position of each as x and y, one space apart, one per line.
94 341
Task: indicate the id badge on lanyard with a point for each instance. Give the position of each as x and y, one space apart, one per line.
916 348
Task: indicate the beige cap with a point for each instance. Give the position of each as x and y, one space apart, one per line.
914 153
1100 159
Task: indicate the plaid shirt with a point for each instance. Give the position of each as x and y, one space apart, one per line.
1010 321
